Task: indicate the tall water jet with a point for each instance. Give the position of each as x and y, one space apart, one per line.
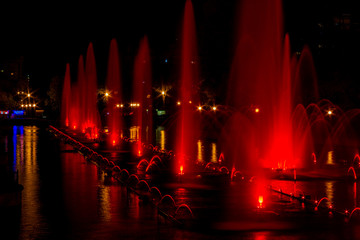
188 128
91 121
75 107
261 76
77 116
113 89
142 89
66 98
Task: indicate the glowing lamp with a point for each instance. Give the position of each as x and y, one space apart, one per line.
114 142
178 103
163 93
199 108
181 170
117 105
121 105
214 108
28 95
329 112
261 201
106 94
257 110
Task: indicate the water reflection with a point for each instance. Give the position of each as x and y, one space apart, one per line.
330 158
25 156
135 132
329 190
200 151
214 154
160 137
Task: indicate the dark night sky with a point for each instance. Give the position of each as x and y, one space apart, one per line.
49 36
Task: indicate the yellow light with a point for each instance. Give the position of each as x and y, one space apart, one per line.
117 105
257 110
26 105
261 199
190 102
329 112
121 105
199 108
138 105
214 108
163 93
178 103
181 170
34 105
28 95
106 94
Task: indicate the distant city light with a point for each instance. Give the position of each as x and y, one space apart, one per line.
257 110
214 108
199 108
178 103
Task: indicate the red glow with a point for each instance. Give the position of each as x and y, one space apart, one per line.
66 97
142 88
187 128
113 83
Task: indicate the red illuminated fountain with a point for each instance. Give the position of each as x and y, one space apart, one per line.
76 109
91 121
270 134
113 94
188 129
142 97
66 98
83 114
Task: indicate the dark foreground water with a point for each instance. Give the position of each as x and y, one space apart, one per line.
67 197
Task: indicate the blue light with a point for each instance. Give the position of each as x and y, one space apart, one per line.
166 60
19 112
